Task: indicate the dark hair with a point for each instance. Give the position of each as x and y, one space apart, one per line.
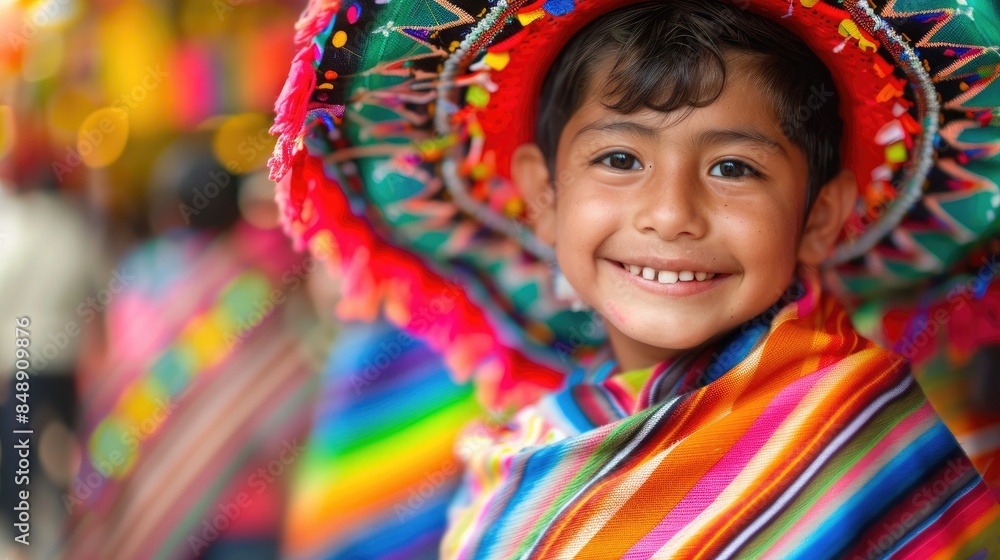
191 188
670 55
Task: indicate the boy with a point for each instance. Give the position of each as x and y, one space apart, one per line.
689 200
683 215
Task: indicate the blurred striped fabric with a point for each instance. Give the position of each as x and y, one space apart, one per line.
194 419
379 471
947 333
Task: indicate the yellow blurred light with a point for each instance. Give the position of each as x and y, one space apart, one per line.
135 51
7 129
66 109
43 55
102 136
10 11
144 405
242 143
204 337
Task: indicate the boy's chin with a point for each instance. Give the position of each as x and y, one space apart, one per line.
676 344
654 341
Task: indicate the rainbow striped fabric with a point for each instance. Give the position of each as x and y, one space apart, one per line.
379 471
794 438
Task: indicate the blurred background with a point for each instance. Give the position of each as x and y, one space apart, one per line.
174 343
189 393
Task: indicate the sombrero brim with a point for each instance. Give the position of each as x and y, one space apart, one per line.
399 118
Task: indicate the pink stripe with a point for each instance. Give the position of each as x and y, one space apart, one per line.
873 459
727 469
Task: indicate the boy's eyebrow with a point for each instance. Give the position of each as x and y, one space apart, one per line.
714 136
729 135
627 127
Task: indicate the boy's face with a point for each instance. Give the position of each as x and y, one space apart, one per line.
720 191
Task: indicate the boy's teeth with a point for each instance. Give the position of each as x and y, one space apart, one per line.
667 276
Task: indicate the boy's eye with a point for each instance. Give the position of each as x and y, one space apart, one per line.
732 169
621 161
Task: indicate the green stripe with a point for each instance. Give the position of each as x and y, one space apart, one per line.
619 437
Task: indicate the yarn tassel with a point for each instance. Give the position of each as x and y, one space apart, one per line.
293 102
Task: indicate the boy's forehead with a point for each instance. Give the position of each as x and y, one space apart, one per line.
741 97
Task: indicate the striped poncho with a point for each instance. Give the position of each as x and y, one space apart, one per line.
793 438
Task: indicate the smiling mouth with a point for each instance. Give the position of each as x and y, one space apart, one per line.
666 276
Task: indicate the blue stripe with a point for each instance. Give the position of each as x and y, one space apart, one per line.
892 483
604 370
571 410
539 463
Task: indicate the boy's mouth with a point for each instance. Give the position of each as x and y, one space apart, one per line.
666 276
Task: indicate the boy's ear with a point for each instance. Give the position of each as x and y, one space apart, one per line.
827 217
531 175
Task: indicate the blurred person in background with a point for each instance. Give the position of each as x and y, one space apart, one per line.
54 272
197 411
92 118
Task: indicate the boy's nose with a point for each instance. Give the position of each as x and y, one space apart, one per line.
671 206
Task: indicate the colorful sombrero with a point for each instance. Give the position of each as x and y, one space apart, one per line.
399 118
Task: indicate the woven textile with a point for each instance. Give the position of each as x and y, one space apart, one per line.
796 438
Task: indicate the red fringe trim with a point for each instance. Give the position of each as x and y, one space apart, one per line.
293 101
378 276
